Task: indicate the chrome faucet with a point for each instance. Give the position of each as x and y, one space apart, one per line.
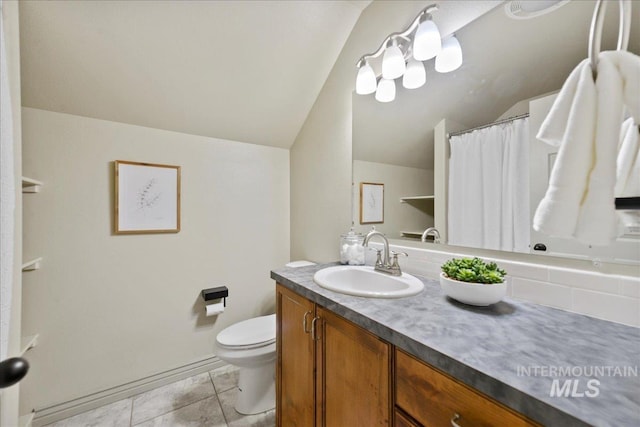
383 262
431 231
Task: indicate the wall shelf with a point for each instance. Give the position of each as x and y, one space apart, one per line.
412 234
415 198
415 235
31 265
30 185
627 203
27 343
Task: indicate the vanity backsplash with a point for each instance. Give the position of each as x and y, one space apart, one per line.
604 296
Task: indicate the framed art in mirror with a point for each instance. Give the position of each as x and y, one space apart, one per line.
147 198
371 203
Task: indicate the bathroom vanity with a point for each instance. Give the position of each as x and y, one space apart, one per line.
325 361
427 360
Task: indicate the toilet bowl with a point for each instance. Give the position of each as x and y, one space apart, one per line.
251 346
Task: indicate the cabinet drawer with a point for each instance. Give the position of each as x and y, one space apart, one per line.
433 398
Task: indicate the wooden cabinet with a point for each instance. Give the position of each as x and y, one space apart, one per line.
433 398
353 374
295 367
330 372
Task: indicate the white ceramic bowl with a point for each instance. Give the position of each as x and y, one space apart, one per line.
473 293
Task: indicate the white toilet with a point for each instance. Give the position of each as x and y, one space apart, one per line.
251 345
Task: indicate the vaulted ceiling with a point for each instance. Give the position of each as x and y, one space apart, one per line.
247 71
250 71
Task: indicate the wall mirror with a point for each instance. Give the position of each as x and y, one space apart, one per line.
510 66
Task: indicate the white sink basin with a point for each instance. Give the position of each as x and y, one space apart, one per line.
366 282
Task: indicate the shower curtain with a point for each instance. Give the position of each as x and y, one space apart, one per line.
7 198
489 188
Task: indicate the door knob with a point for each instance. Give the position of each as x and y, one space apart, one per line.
12 370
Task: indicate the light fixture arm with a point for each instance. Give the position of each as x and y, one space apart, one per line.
403 34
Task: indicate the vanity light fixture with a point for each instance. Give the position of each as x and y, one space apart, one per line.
427 42
386 91
393 65
450 58
415 76
366 80
402 56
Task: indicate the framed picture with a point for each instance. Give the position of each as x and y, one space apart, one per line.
147 198
371 203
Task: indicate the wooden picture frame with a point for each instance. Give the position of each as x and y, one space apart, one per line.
371 203
147 198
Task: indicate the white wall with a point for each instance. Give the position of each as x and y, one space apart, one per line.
399 181
115 308
321 176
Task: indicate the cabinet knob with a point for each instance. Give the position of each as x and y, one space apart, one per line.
455 418
304 322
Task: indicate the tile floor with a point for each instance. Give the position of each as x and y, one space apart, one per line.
202 400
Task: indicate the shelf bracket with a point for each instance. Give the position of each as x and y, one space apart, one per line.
34 264
30 185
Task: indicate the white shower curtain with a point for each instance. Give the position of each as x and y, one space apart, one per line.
489 188
7 198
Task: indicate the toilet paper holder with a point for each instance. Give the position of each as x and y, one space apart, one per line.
220 292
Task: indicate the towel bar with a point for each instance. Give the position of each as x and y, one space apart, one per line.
627 203
595 32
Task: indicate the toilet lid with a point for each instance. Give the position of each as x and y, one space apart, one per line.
259 330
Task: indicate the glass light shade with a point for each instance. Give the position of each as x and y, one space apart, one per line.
427 42
415 76
450 58
393 65
386 90
366 80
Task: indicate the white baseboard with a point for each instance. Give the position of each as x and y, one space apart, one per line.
76 406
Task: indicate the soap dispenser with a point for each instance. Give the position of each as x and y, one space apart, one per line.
351 249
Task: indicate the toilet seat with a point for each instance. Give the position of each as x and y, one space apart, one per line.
248 334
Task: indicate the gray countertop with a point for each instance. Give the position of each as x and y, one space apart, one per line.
509 351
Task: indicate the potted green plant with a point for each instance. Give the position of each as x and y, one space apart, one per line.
473 281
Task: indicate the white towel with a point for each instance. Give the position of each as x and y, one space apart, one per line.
569 125
597 222
585 124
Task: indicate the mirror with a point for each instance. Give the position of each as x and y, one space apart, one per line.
507 63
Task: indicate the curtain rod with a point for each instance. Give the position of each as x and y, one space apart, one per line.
499 122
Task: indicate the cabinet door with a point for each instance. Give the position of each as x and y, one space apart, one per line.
353 379
295 384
